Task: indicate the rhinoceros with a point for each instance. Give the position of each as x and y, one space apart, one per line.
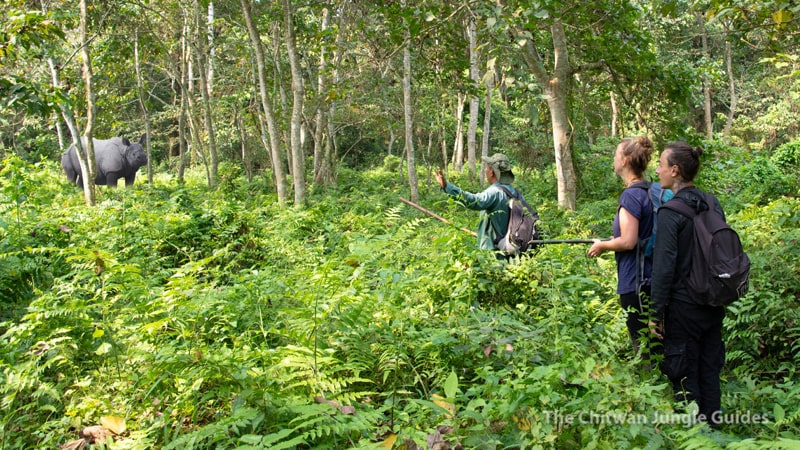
115 158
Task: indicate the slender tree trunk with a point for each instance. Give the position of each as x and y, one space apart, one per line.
473 100
140 90
709 120
298 93
69 120
247 160
409 124
184 89
487 115
57 84
319 122
458 144
211 49
391 141
555 88
444 148
266 106
91 171
208 117
732 90
614 114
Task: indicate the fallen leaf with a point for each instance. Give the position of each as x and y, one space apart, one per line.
347 409
78 444
438 400
95 434
389 441
114 423
487 350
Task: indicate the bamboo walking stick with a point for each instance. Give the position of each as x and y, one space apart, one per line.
435 216
539 241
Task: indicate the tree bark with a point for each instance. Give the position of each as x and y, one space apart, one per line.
555 89
473 100
89 172
458 143
145 114
487 114
409 124
298 93
184 74
212 52
614 114
320 161
709 120
246 158
69 120
208 116
266 105
732 90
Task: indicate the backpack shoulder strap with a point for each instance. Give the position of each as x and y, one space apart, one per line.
507 191
641 184
681 207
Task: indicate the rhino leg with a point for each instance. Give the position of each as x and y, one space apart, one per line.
112 179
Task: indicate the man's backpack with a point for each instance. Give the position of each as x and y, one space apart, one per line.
521 226
720 269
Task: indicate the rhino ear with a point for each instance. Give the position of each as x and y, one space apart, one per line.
143 139
126 142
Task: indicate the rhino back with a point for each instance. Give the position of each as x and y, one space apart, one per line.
108 154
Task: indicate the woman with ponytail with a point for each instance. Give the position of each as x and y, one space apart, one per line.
633 224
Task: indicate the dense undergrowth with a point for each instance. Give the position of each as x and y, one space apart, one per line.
217 319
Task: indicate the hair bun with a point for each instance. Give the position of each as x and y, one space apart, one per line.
697 152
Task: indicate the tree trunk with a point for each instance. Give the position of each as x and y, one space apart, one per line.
69 120
732 90
473 100
140 90
319 122
89 172
298 93
247 160
392 138
444 148
614 114
458 144
555 89
409 125
211 50
184 76
709 120
331 145
266 106
208 116
487 114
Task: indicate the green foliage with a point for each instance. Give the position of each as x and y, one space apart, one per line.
218 319
764 328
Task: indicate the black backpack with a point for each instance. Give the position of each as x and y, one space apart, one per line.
720 269
521 226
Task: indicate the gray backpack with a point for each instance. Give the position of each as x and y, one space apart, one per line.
521 226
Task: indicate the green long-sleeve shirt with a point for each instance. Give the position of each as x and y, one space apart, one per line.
493 205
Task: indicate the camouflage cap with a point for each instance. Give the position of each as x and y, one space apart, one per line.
501 166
